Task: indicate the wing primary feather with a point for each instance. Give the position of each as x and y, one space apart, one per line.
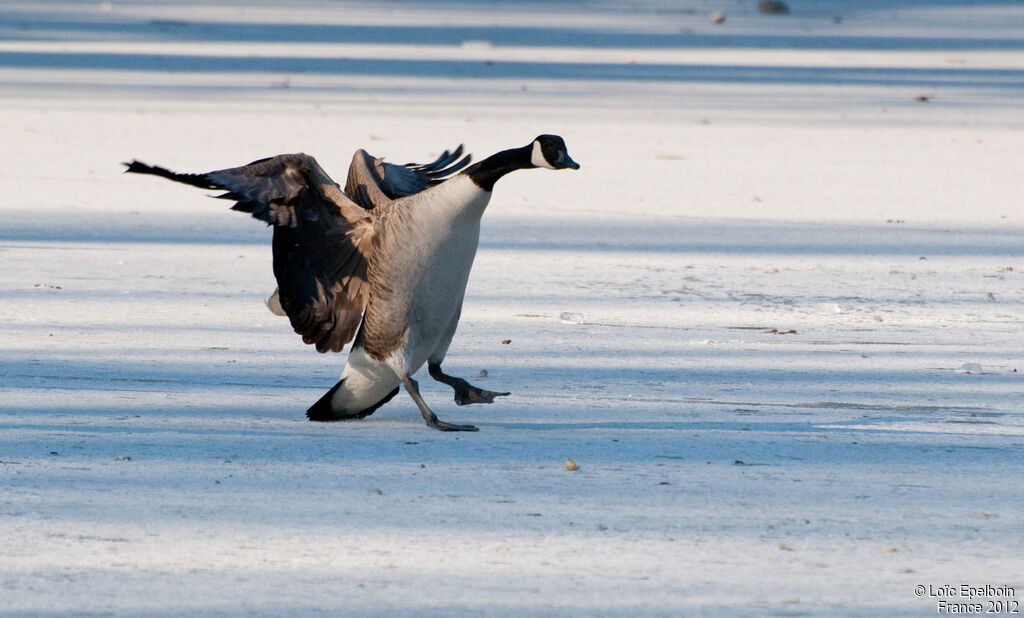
196 180
443 161
448 171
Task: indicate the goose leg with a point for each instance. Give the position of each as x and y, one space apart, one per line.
414 391
465 393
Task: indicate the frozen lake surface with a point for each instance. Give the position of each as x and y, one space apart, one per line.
775 318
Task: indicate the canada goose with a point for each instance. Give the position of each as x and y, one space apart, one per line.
389 256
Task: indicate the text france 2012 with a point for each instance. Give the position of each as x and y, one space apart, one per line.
970 598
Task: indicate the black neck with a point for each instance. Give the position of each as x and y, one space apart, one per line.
487 172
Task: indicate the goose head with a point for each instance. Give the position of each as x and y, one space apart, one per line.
549 151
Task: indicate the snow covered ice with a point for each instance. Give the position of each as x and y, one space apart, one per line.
791 264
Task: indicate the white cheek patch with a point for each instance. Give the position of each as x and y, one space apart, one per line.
537 157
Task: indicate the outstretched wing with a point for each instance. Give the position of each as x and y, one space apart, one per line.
372 182
322 239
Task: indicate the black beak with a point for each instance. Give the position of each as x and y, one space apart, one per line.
565 161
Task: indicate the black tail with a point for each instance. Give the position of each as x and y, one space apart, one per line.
321 411
196 180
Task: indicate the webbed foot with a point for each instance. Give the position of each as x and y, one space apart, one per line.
465 393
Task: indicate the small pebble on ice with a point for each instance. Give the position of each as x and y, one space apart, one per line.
717 17
568 317
483 373
571 465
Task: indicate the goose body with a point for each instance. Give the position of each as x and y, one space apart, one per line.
425 257
391 255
